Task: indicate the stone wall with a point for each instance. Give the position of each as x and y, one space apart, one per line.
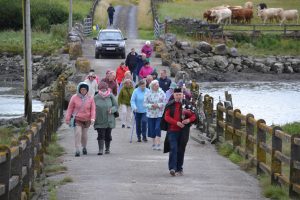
206 62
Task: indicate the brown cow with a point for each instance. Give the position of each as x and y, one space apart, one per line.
243 15
208 17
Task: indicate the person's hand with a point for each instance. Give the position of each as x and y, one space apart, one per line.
109 111
181 125
92 122
186 121
68 122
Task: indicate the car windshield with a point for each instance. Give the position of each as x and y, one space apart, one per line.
110 36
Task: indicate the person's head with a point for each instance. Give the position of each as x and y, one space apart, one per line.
110 4
107 73
154 85
173 86
147 63
178 94
83 88
144 56
111 76
154 74
127 83
102 86
91 76
122 64
147 43
149 78
163 73
92 70
142 84
127 75
132 50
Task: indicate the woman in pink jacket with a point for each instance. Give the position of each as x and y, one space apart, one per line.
147 49
82 108
145 70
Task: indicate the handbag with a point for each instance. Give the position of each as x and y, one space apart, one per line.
72 123
116 114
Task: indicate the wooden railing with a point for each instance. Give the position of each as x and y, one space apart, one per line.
269 148
23 161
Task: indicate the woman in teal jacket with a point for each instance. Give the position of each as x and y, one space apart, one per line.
106 106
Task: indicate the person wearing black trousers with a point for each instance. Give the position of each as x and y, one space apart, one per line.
110 12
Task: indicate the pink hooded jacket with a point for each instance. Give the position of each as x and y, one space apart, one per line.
84 113
145 71
147 49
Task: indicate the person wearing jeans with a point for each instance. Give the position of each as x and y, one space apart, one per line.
154 101
137 106
178 115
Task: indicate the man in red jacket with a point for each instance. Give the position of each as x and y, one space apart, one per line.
179 115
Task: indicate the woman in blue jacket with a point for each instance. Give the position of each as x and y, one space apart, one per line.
139 110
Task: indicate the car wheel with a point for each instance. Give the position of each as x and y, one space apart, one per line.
97 55
123 55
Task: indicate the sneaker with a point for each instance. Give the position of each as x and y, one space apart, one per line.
172 172
179 173
84 151
158 147
128 127
153 147
107 151
123 125
77 154
145 140
139 140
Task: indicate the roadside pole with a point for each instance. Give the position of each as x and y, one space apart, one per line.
27 61
70 15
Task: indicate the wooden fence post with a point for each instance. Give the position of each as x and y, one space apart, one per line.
5 171
260 152
220 117
16 170
228 134
250 133
295 166
275 162
236 122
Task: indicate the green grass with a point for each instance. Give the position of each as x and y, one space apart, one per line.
195 9
272 191
146 34
53 185
6 136
292 128
42 43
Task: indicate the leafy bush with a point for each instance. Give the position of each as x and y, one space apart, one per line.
59 31
10 14
41 24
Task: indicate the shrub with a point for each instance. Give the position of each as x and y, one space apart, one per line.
42 24
59 31
10 14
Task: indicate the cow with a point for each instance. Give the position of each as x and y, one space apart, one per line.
269 14
222 15
242 15
261 6
248 5
208 17
288 15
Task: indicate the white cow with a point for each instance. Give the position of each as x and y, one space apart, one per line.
248 5
288 15
269 13
222 15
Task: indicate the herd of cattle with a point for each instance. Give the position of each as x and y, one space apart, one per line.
244 14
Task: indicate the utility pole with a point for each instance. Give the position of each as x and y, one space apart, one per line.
27 61
70 16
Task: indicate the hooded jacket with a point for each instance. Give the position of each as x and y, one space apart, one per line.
84 106
155 97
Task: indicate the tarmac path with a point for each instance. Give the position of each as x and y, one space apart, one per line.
134 171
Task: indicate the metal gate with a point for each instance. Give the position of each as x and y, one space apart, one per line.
87 26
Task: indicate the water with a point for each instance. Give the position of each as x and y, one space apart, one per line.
12 106
275 102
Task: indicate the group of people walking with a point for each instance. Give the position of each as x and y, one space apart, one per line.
148 102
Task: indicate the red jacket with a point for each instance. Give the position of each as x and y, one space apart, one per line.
120 73
172 120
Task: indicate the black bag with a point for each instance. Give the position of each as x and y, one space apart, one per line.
116 114
164 125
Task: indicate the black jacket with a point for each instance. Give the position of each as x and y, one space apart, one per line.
131 61
110 11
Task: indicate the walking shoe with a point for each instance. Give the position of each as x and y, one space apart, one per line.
100 153
84 151
107 151
153 147
145 140
179 173
158 147
172 172
123 125
77 154
139 140
128 127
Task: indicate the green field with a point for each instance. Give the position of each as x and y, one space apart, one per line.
195 9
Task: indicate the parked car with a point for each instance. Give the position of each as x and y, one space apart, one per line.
110 42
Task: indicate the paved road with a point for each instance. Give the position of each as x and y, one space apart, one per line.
134 171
